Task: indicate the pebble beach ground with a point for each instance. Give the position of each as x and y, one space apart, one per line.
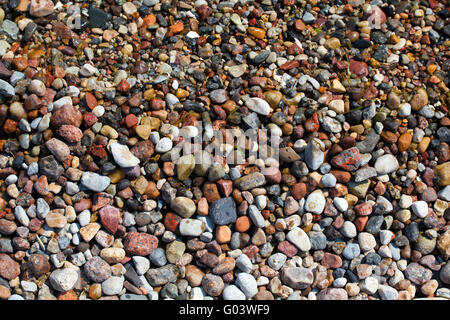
101 102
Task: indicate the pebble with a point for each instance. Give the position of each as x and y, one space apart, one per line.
223 211
420 209
9 269
58 148
94 181
276 261
258 105
6 89
163 145
297 277
417 273
251 181
158 257
140 244
237 71
369 285
185 166
244 264
212 284
247 284
141 264
122 155
112 255
185 207
328 180
21 216
366 241
444 274
314 154
341 204
299 238
231 292
63 279
315 203
349 230
351 251
112 286
191 227
256 217
41 8
386 164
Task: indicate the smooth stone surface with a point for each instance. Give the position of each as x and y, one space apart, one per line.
63 279
247 283
122 155
223 211
299 238
94 181
386 164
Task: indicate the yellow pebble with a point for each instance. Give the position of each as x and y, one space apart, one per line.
153 122
258 33
75 162
394 39
431 68
143 131
351 199
109 132
181 93
127 50
116 175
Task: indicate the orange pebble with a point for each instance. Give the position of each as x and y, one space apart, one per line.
95 291
68 295
150 20
90 99
202 207
258 33
300 25
223 234
177 27
434 80
242 224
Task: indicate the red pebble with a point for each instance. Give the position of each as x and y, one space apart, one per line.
287 248
41 186
171 221
90 99
131 120
225 187
330 260
140 244
89 119
348 160
110 217
123 86
363 209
